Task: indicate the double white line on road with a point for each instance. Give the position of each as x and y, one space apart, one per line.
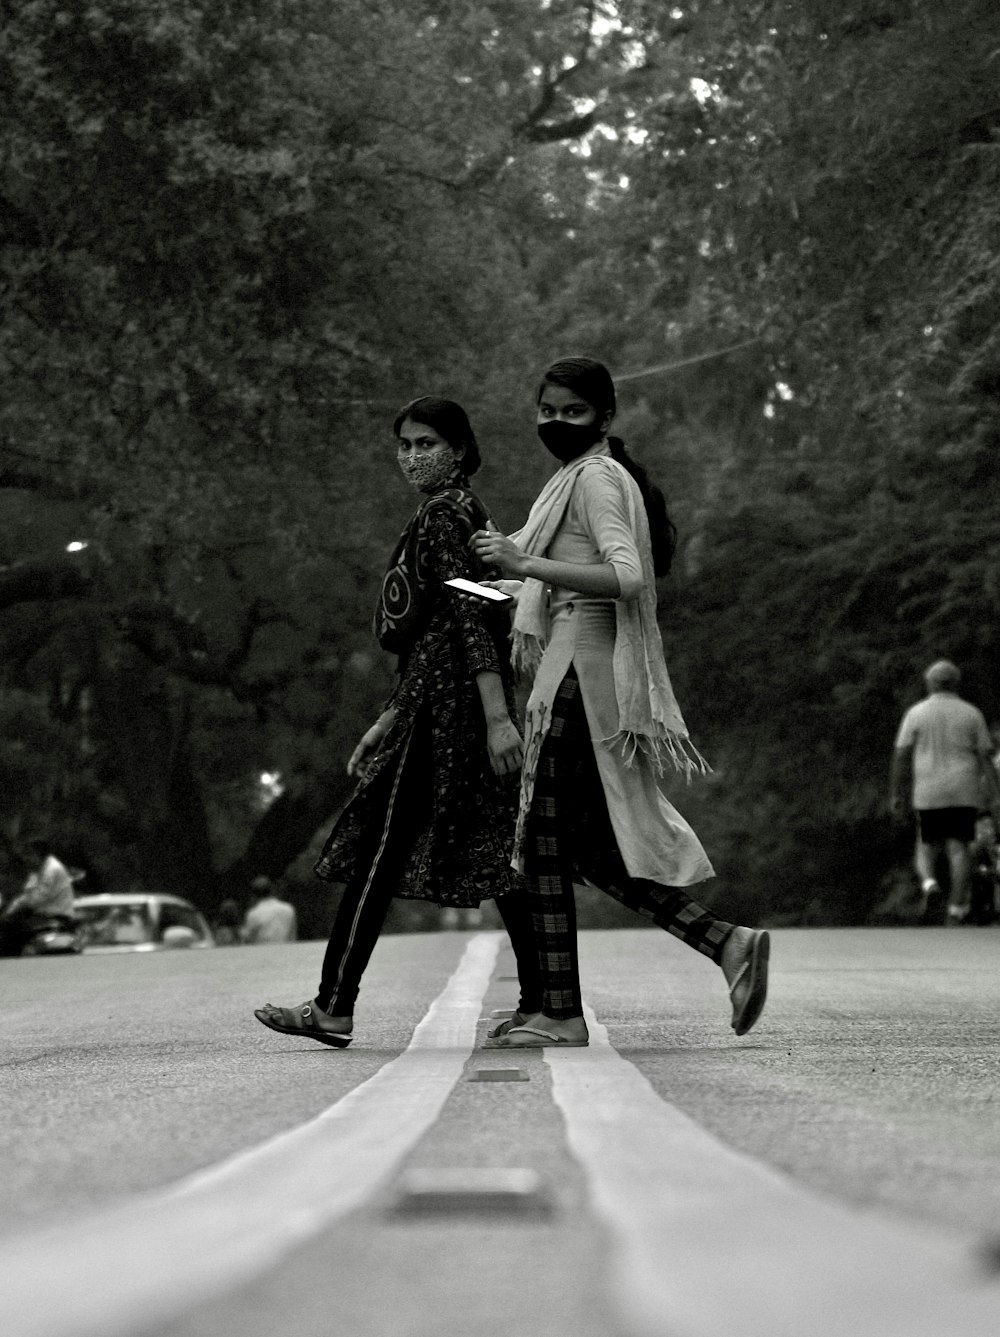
130 1267
705 1240
708 1241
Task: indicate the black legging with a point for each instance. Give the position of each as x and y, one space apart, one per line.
569 832
367 896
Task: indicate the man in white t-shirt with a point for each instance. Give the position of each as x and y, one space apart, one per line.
269 919
943 750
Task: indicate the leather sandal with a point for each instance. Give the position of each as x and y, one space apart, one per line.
299 1021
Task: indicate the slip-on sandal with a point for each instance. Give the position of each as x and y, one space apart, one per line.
537 1038
298 1021
748 990
514 1020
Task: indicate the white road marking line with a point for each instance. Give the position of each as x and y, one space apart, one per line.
709 1241
129 1267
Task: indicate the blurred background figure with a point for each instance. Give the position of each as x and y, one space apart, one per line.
943 754
269 919
226 924
48 888
453 916
984 854
46 900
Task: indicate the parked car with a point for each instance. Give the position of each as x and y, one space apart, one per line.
140 922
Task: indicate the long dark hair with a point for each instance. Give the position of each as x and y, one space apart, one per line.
591 380
449 420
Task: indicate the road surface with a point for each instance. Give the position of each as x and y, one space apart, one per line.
173 1169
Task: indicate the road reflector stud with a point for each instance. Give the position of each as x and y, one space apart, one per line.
503 1013
506 977
499 1075
471 1189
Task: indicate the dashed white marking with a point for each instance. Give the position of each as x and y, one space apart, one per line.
129 1267
708 1241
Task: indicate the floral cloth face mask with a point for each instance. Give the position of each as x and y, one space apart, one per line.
428 470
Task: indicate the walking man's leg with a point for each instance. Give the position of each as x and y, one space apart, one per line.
925 858
960 874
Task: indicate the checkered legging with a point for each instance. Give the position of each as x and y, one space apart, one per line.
569 833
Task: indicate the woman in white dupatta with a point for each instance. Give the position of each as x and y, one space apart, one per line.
602 721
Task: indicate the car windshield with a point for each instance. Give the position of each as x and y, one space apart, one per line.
114 925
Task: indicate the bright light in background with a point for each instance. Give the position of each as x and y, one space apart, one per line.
77 545
781 390
269 787
703 91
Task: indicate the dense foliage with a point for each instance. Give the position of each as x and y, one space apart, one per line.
234 239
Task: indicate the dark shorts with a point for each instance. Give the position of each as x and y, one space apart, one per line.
939 824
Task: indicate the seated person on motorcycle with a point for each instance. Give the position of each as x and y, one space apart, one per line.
47 894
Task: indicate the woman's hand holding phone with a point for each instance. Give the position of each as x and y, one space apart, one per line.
512 588
481 591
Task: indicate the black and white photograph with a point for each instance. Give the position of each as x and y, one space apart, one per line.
499 690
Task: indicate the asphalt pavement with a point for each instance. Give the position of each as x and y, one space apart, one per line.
171 1167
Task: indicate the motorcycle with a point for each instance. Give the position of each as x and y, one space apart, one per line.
27 932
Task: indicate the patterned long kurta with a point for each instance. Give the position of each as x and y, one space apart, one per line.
437 742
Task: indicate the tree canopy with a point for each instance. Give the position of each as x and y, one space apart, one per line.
233 240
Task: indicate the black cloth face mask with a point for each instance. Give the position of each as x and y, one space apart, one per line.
567 440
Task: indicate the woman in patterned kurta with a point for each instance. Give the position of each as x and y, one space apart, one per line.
602 721
434 811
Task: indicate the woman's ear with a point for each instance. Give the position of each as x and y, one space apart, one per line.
606 422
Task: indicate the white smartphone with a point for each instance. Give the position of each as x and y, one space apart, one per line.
479 591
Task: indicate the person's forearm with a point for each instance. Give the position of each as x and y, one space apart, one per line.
899 776
599 580
491 695
992 781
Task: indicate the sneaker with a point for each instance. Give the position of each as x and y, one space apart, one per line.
928 889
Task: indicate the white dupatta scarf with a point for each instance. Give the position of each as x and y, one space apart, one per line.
649 718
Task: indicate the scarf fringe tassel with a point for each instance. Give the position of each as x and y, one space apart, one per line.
526 655
663 750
